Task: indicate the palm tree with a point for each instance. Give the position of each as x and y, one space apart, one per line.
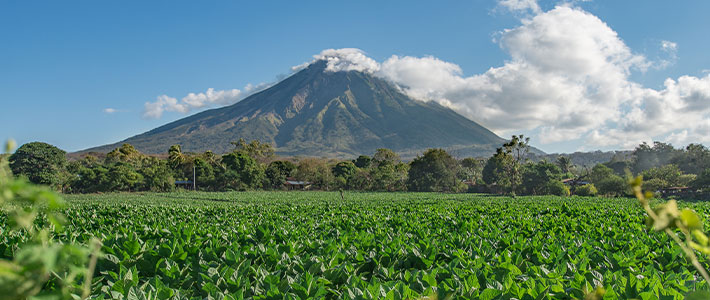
565 164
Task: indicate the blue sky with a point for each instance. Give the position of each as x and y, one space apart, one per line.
62 65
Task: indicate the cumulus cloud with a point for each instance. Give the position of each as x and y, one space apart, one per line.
568 78
194 101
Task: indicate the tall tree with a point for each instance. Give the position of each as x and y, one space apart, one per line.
277 172
434 171
517 148
261 152
242 171
539 177
472 169
42 163
565 164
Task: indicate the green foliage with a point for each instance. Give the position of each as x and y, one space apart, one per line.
242 171
614 186
537 178
261 152
316 172
702 182
36 260
646 156
555 187
655 184
504 169
434 171
667 217
362 161
668 174
471 169
254 245
586 190
600 172
40 162
277 172
494 172
694 159
344 172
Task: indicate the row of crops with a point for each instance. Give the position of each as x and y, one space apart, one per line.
278 245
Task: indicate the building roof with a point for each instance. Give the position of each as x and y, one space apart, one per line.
296 182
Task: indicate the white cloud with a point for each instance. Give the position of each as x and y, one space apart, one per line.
110 110
568 79
191 102
520 5
345 59
669 46
670 50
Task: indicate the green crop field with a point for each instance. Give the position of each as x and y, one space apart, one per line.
279 245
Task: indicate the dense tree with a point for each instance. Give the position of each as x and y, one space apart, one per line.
343 172
387 171
599 173
277 172
702 182
317 172
261 152
384 156
434 171
40 162
122 177
694 159
362 161
242 171
536 177
471 169
125 154
91 179
495 172
646 156
504 169
614 185
518 147
667 176
157 175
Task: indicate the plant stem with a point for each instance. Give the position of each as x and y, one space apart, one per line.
90 271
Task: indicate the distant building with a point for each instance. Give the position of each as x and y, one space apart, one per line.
676 191
291 184
574 182
186 184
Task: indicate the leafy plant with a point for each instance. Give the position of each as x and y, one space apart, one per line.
39 261
668 218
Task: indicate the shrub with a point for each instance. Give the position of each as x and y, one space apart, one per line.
654 185
556 187
586 190
613 186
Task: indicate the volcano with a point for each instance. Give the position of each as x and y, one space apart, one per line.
317 112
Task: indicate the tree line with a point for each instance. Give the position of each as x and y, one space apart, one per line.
253 165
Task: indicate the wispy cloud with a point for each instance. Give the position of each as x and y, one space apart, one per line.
520 6
111 110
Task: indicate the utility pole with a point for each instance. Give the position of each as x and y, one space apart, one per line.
194 183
